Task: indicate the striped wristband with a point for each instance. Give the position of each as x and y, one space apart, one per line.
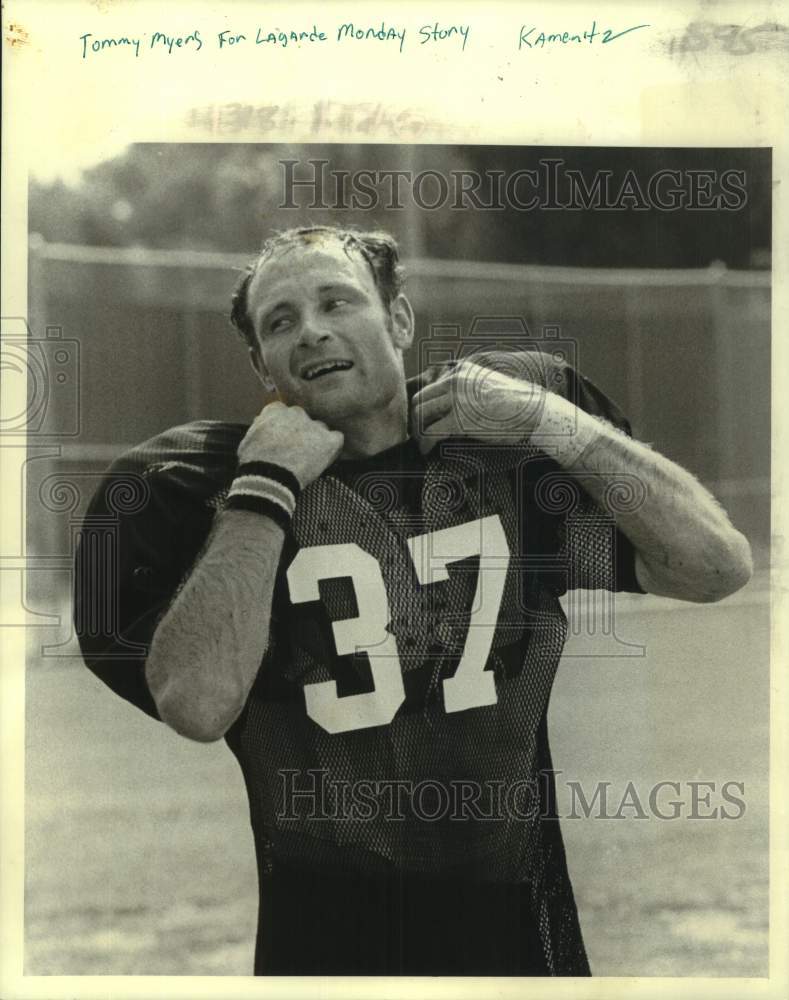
264 488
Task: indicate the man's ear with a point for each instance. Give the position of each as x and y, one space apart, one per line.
402 316
260 369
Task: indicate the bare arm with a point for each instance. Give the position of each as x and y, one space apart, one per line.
208 647
685 545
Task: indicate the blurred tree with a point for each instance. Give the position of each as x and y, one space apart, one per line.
227 197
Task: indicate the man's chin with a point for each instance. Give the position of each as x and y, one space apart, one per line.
334 413
343 401
328 406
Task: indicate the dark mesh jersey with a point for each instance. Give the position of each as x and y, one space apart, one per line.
397 724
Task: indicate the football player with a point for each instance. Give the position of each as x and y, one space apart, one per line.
360 594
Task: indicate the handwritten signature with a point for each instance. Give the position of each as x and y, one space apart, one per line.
539 41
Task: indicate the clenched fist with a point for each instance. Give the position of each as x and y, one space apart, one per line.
479 402
286 436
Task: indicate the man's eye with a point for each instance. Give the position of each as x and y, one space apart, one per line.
335 303
278 324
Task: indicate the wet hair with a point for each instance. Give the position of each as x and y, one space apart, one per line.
378 249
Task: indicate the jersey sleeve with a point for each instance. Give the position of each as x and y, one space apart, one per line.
143 531
597 555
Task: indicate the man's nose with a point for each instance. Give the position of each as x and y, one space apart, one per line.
313 331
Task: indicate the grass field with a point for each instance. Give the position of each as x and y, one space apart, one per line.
139 857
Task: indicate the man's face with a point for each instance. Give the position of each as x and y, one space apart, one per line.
325 339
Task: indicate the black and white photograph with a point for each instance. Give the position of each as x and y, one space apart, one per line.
340 509
391 538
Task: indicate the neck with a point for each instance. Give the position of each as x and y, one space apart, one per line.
379 431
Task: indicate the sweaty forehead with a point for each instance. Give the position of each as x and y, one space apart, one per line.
303 268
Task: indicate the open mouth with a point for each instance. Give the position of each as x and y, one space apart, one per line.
320 368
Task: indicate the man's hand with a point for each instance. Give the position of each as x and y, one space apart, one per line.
478 402
286 436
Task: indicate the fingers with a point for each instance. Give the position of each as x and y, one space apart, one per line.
463 379
425 412
438 431
338 440
434 389
270 409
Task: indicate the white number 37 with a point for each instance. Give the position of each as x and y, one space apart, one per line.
470 687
